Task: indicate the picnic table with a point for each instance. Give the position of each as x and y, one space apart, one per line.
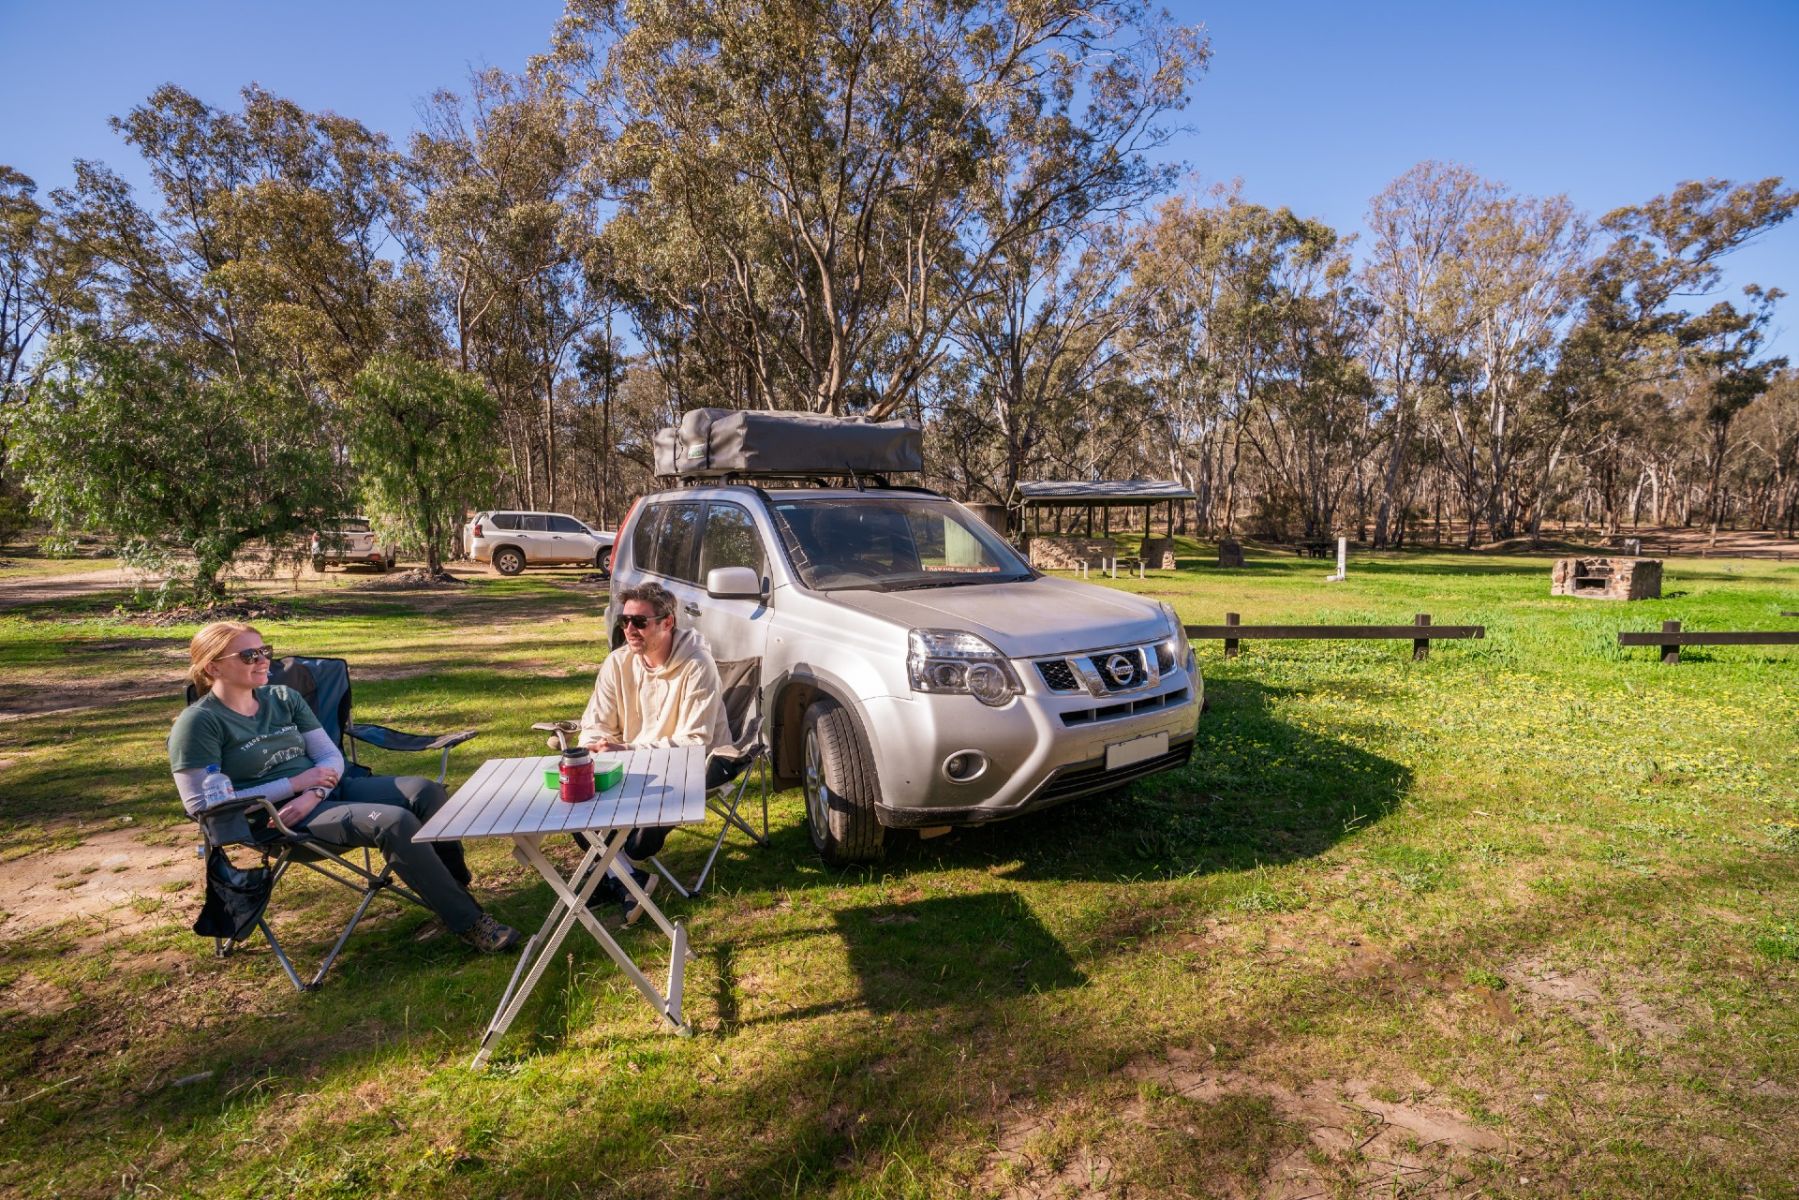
506 797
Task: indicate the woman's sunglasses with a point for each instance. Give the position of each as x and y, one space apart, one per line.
249 657
637 620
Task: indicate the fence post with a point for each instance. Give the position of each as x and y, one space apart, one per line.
1671 654
1230 643
1421 645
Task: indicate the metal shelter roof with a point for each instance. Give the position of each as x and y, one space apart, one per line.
1098 491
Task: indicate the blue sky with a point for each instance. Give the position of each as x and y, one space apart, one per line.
1312 104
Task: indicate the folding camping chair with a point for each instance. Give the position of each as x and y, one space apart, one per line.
741 682
324 683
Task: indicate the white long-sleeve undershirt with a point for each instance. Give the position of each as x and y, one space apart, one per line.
320 749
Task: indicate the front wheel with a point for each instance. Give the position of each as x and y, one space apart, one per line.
840 787
602 562
508 561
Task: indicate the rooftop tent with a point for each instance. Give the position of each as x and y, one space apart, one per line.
718 442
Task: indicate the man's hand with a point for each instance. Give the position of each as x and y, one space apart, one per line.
605 747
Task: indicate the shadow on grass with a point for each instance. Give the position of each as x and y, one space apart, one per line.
910 957
1257 791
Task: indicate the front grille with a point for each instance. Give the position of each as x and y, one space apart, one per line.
1124 674
1127 708
1083 779
1058 676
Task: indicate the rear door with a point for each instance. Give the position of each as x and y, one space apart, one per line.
666 551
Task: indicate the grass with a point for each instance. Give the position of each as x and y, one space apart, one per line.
1518 920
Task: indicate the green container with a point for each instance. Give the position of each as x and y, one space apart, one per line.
607 772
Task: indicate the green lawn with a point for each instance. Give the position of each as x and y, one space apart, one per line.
1519 920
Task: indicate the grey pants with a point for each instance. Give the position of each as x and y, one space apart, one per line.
385 811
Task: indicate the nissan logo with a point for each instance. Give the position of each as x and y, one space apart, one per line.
1121 669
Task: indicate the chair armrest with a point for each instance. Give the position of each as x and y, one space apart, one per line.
242 804
745 746
384 738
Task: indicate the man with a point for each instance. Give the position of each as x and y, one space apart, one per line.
660 688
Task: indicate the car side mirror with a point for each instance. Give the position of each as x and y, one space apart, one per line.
733 583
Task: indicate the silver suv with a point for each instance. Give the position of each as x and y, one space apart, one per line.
346 540
917 673
513 540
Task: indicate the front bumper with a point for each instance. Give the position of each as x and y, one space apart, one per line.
1042 749
1065 784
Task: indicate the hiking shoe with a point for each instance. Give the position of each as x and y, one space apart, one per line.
634 910
607 892
489 936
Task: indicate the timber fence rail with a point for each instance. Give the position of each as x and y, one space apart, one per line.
1420 633
1671 639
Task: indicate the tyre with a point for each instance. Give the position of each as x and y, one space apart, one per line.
840 787
318 563
602 562
508 561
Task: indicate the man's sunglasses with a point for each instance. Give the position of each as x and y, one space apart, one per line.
637 620
249 657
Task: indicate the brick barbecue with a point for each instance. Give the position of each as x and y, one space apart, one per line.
1607 578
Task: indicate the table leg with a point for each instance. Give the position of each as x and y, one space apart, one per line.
670 1011
630 885
545 942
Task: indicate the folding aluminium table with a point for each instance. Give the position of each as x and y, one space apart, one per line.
506 797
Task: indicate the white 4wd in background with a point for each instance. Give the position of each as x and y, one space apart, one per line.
346 540
916 672
512 540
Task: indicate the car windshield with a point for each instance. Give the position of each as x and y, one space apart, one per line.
892 543
349 525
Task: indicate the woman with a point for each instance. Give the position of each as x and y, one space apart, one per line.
266 738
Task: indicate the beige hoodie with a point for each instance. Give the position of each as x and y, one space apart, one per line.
676 704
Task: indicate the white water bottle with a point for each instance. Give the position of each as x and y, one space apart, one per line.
216 789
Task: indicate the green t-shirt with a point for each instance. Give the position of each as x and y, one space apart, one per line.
251 750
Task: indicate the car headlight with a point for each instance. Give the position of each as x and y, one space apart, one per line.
950 661
1175 648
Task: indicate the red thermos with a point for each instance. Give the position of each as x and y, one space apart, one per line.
577 775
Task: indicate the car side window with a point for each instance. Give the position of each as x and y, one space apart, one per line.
643 538
532 523
730 540
677 539
504 520
562 524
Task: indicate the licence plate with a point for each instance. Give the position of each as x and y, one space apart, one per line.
1124 754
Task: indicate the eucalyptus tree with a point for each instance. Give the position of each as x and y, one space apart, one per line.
1213 285
1418 225
509 228
826 184
1771 468
1507 294
27 305
1637 345
268 248
1040 340
1313 425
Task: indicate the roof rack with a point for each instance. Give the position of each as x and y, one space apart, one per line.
861 481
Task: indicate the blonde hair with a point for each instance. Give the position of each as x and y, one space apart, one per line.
206 648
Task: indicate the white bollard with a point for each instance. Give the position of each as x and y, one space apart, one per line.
1342 562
